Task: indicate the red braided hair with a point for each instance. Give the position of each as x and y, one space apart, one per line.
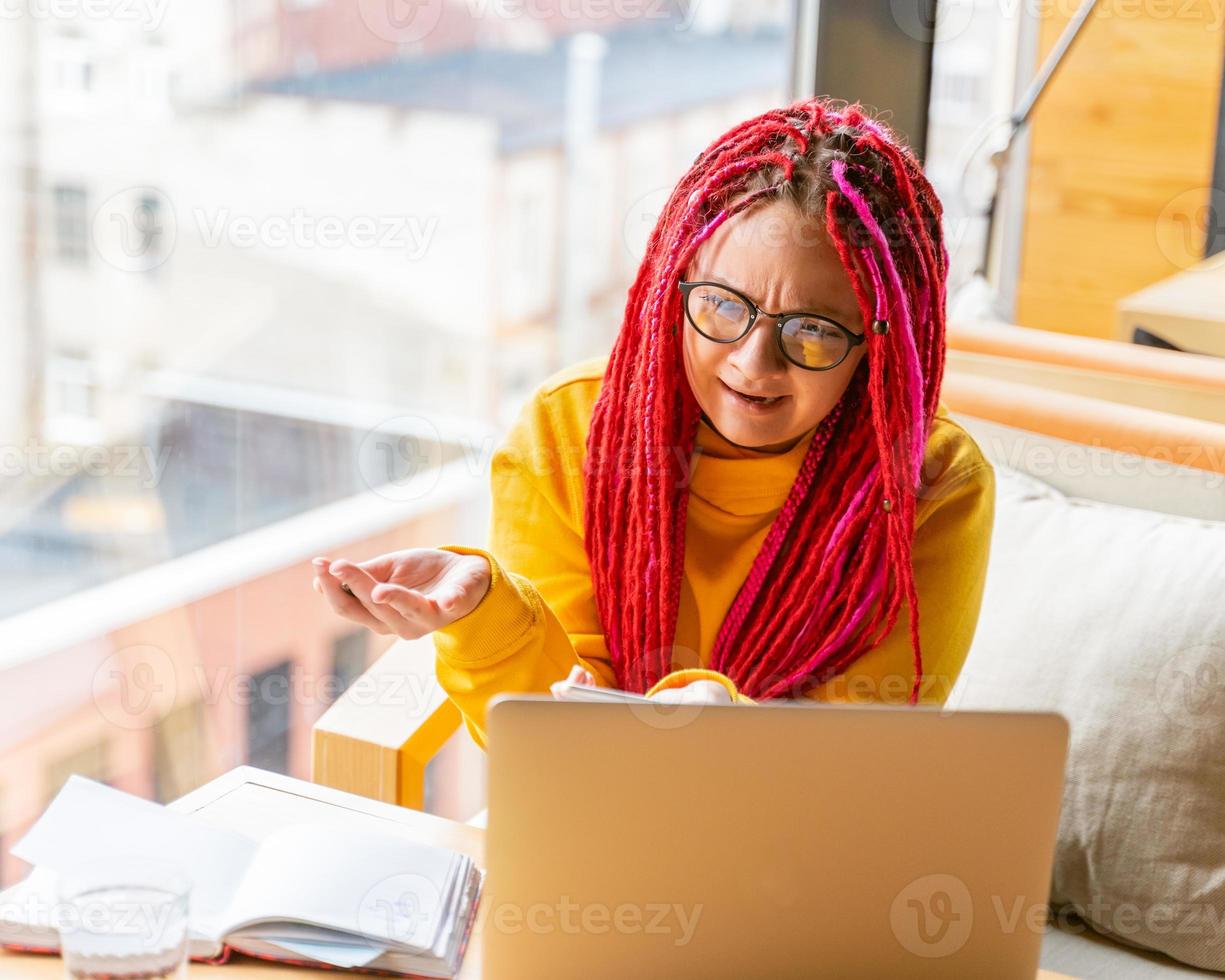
835 567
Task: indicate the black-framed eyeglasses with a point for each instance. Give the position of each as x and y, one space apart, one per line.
808 340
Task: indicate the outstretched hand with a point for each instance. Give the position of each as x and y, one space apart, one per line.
407 593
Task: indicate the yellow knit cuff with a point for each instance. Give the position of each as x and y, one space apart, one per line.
508 610
687 675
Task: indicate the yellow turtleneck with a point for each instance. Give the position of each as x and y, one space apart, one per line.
538 618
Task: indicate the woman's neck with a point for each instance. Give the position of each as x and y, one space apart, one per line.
777 449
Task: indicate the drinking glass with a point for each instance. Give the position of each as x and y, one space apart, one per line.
124 919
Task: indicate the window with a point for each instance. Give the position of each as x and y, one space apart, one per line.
74 75
150 230
180 762
531 227
971 94
92 761
349 652
71 224
268 719
254 245
71 385
70 60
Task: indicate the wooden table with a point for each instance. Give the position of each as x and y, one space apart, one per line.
1187 309
31 966
28 966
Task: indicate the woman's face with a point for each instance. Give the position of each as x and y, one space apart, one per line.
783 263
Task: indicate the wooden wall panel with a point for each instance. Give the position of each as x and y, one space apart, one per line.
1121 157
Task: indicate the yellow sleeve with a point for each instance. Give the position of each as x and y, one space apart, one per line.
953 524
538 618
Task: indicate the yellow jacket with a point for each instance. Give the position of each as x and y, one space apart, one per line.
539 618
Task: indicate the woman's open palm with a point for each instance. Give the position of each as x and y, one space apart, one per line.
408 593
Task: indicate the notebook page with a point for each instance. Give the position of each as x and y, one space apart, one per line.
263 802
567 691
456 905
343 955
89 820
380 885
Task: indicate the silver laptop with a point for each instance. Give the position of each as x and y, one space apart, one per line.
787 840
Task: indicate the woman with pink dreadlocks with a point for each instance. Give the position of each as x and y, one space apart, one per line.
758 494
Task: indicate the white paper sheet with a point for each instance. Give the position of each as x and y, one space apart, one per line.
337 954
377 885
88 821
600 695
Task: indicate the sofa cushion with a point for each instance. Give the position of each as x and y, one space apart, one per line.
1115 617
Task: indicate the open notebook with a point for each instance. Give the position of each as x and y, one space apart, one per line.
282 869
567 691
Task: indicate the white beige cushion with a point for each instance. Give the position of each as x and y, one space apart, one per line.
1100 473
1115 617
